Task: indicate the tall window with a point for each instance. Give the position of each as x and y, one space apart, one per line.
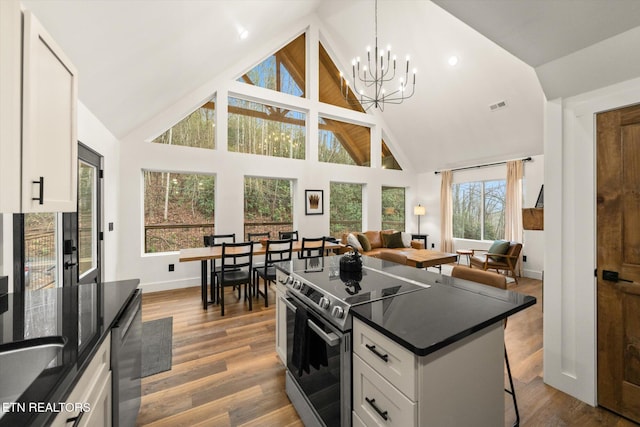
263 129
343 143
178 210
345 208
198 129
393 207
478 210
41 251
268 205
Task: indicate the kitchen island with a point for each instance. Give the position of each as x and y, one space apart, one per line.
84 315
433 355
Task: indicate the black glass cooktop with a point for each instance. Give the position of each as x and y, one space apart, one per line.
351 287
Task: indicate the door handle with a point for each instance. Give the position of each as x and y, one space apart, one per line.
68 265
613 276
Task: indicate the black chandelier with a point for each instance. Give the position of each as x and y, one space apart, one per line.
377 74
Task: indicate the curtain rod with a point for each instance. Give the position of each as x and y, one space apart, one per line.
526 159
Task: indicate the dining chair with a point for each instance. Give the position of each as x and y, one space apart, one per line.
276 251
215 240
255 237
293 235
312 248
497 281
236 270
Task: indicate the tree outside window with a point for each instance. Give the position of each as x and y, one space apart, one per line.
393 208
178 210
268 205
345 208
478 210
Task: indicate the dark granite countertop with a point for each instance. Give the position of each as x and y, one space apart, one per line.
429 319
83 314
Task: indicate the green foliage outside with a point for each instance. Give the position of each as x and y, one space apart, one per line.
195 130
175 199
393 208
268 200
262 129
345 208
478 210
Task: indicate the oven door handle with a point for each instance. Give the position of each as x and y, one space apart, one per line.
289 304
330 338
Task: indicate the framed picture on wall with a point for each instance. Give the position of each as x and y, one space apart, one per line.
314 202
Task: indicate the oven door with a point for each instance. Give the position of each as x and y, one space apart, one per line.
326 390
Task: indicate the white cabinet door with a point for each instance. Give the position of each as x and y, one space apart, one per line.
49 128
10 104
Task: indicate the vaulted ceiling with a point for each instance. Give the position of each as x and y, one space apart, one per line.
137 57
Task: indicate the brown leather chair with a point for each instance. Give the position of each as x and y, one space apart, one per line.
484 260
393 256
497 281
481 276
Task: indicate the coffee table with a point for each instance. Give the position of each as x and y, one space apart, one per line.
423 258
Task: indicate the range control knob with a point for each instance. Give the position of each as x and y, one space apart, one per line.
289 280
324 303
297 284
337 312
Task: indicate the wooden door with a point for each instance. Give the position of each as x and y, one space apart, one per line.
618 241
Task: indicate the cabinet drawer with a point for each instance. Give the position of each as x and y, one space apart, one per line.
89 385
394 362
375 399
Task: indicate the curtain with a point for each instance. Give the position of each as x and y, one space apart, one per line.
446 212
513 206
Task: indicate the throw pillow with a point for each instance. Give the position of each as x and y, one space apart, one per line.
393 240
406 239
364 242
499 247
353 241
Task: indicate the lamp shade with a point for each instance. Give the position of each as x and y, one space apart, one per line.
419 210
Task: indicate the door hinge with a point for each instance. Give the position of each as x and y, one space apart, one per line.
101 173
101 236
595 272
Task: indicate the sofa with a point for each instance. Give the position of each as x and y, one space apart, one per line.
374 243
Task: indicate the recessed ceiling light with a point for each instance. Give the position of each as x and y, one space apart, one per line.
453 60
243 33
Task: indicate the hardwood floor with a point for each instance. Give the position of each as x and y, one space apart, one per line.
226 373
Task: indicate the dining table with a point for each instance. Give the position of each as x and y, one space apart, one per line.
206 254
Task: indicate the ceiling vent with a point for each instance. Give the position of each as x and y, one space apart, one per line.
498 106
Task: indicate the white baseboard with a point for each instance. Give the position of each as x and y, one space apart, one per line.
532 274
166 286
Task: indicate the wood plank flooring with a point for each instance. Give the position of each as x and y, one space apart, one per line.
225 370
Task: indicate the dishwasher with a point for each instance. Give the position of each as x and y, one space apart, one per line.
126 363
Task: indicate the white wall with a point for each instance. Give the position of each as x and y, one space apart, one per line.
230 168
533 246
570 229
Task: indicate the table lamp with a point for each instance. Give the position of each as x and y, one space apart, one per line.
419 211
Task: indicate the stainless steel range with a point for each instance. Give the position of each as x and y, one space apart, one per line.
319 298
